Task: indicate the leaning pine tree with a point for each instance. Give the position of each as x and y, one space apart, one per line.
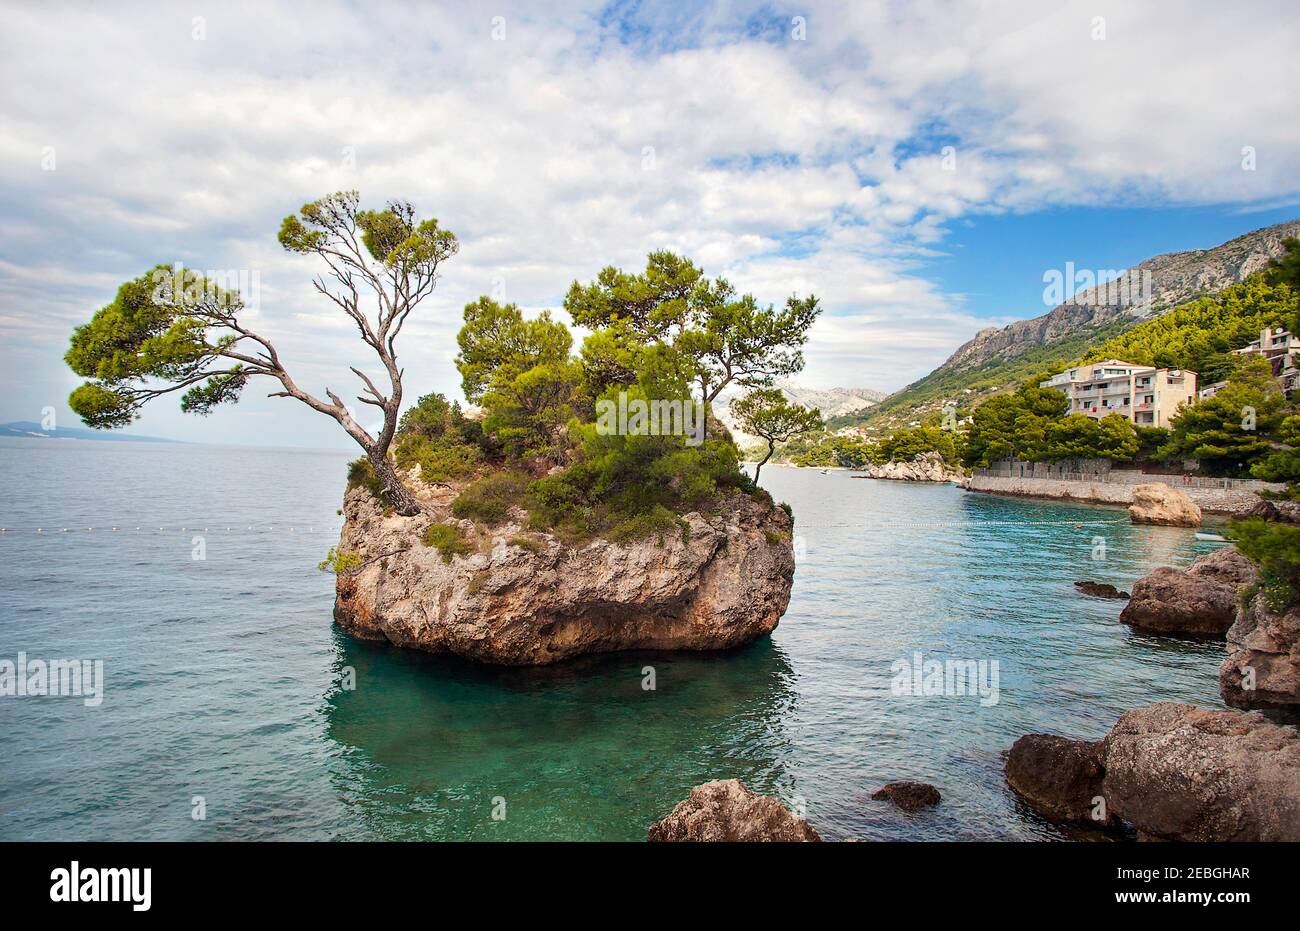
169 331
766 413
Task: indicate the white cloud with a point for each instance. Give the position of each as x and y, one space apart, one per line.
787 166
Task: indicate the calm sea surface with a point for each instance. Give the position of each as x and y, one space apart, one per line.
222 674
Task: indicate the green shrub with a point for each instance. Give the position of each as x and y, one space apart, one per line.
439 460
362 474
488 500
437 437
1275 548
340 562
528 543
656 522
449 540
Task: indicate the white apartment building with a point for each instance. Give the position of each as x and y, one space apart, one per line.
1148 396
1281 349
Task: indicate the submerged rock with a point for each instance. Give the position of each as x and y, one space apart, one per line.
1099 590
909 796
726 811
1172 772
924 467
1263 665
522 598
1179 772
1200 601
1059 778
1158 503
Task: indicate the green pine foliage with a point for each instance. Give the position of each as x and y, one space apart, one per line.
1200 335
667 334
1275 547
436 436
1233 430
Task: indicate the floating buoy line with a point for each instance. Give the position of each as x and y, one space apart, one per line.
8 531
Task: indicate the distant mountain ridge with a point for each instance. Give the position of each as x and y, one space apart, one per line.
997 357
1175 277
832 402
30 429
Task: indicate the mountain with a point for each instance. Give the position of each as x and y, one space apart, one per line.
832 402
26 428
1000 357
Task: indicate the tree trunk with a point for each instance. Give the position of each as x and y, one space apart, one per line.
771 448
398 495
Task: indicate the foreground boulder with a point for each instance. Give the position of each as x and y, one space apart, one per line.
726 811
1179 772
1200 601
1059 778
1158 503
909 796
1171 771
924 467
516 597
1263 665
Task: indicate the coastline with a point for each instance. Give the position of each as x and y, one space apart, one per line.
1221 501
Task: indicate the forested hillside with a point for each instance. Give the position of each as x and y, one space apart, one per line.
998 360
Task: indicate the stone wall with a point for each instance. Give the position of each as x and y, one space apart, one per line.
1238 496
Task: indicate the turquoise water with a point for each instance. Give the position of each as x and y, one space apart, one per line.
222 675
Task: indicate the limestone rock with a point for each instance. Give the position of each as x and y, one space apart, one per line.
924 467
1172 602
524 598
1158 503
724 810
909 796
1172 772
1059 778
1200 601
1179 772
1263 665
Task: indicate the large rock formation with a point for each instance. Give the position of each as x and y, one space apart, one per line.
1200 601
1059 778
522 598
1263 665
924 467
1179 772
725 810
1173 772
1160 504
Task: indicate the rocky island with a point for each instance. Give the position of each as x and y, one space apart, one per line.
591 503
517 597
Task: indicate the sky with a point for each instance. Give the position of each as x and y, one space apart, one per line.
917 166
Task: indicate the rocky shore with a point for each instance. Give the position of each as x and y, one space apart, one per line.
1234 501
1219 595
1199 601
925 467
1263 665
1171 772
519 597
